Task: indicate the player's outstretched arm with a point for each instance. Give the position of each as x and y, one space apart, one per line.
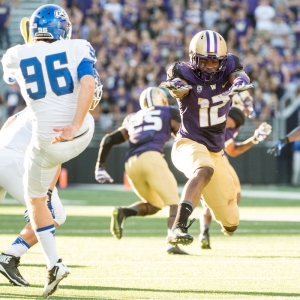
177 87
293 136
234 149
108 141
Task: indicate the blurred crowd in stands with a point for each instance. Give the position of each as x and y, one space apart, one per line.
136 41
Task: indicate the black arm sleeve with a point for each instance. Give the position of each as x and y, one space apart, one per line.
238 66
106 143
174 72
175 114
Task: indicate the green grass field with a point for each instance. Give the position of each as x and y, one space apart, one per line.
261 260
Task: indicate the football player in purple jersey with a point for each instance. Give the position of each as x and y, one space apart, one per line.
236 118
149 176
203 88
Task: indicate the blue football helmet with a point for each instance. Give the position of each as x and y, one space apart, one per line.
98 90
50 22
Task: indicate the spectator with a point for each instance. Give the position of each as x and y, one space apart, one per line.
115 8
4 22
210 16
264 14
279 33
243 26
13 99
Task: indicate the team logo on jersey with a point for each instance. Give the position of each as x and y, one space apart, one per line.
213 86
199 89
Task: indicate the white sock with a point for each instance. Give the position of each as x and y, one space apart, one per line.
45 236
18 247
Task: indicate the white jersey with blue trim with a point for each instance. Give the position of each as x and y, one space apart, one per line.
48 77
17 135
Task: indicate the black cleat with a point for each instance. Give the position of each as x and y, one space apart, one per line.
54 277
117 222
9 268
204 240
176 250
179 235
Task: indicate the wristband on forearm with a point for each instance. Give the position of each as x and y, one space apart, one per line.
285 140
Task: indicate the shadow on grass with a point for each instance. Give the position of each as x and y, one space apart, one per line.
93 226
199 293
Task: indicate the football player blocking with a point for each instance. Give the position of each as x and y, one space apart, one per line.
148 174
203 88
69 87
241 108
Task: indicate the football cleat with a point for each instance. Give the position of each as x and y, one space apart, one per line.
226 233
204 240
179 235
117 222
9 268
175 250
54 277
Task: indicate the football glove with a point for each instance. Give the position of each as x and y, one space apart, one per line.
102 176
239 84
276 149
262 131
176 87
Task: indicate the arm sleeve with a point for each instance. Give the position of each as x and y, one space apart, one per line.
106 144
237 64
85 68
175 115
8 67
174 72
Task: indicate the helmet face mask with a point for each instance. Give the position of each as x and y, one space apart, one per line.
98 90
153 96
208 46
50 22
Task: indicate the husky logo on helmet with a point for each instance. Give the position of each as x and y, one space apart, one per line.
208 45
50 22
153 96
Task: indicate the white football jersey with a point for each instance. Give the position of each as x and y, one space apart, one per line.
17 135
48 77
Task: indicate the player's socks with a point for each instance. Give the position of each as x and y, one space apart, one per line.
185 209
45 236
129 212
18 247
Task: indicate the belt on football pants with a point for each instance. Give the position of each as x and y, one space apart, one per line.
76 137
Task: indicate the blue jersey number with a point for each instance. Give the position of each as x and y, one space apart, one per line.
32 72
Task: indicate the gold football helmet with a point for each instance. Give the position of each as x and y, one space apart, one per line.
208 45
153 96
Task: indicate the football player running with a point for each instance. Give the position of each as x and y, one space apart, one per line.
56 78
241 108
149 176
203 88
